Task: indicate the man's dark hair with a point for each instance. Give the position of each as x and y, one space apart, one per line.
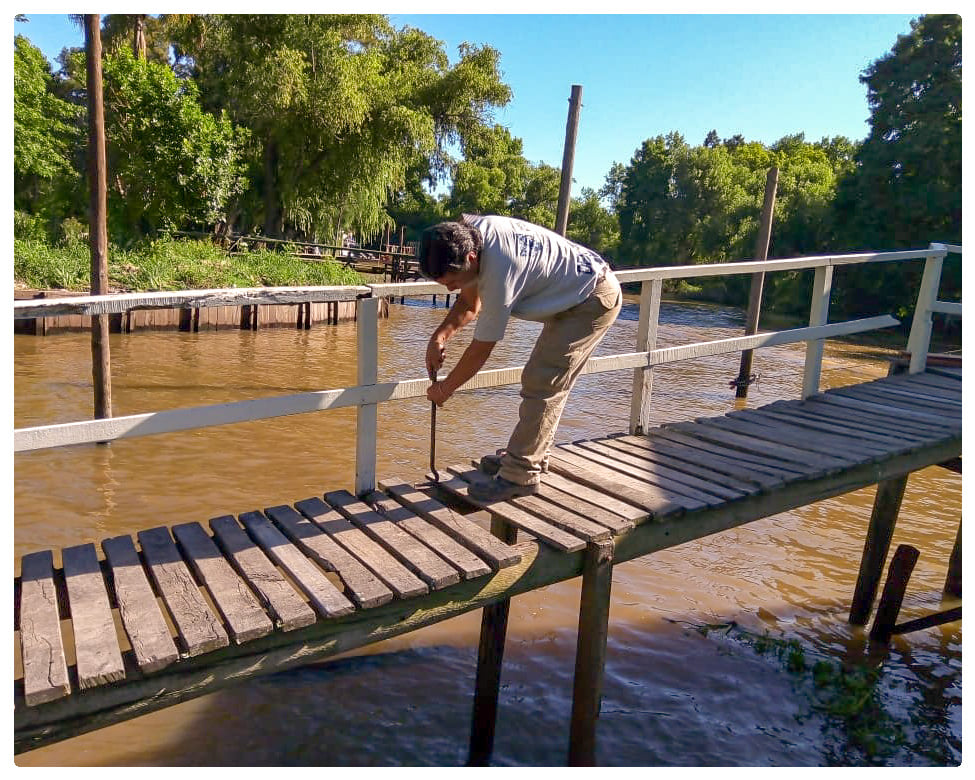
445 247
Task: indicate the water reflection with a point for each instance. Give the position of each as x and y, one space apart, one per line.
673 696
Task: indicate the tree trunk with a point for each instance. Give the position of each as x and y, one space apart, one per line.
139 38
272 209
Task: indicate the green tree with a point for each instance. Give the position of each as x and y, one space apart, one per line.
540 200
46 133
592 225
492 175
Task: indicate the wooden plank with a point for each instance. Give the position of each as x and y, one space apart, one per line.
325 598
747 443
401 580
543 531
461 529
597 514
468 564
142 619
647 497
945 371
198 628
710 476
937 387
362 586
553 514
41 646
907 399
751 460
882 422
876 441
663 469
237 604
557 487
844 446
97 653
721 465
678 491
272 588
918 390
415 555
866 430
903 394
838 398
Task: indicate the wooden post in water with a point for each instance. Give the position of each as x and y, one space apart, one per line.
101 370
758 280
597 581
886 506
901 566
568 156
490 653
953 580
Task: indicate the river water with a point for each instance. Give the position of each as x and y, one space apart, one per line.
676 692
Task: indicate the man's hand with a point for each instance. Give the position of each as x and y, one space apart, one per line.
438 393
435 356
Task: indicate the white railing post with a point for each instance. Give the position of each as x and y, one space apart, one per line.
646 341
920 338
367 373
818 315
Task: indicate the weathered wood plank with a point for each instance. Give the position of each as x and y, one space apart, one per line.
695 469
682 454
239 607
415 555
900 396
543 531
648 476
41 646
326 599
887 409
841 446
646 497
142 619
363 587
884 423
468 564
941 395
751 460
811 462
865 430
460 528
665 470
401 580
289 609
198 628
97 653
551 513
559 486
596 514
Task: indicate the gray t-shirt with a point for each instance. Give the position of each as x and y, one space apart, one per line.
529 273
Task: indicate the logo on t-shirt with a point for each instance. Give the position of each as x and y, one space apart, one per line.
528 246
587 263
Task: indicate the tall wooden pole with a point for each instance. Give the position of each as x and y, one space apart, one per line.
758 280
97 228
568 156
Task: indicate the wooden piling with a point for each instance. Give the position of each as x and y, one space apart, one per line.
901 566
568 156
97 226
597 581
758 281
953 580
886 506
490 654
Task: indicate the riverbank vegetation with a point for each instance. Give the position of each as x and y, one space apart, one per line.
302 127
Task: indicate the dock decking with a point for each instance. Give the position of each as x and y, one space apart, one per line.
265 591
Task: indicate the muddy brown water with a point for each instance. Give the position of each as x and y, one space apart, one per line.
674 694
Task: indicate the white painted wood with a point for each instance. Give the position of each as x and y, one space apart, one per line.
646 340
920 338
395 290
955 248
367 373
818 315
87 431
947 307
192 299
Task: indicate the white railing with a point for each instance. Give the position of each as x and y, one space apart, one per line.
368 393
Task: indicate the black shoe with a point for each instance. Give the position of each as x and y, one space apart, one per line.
499 489
490 464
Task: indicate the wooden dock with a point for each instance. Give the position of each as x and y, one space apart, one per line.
203 608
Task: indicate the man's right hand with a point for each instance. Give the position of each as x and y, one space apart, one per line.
435 356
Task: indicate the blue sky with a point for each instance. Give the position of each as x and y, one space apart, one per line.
764 76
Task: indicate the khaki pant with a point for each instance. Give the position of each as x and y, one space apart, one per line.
565 344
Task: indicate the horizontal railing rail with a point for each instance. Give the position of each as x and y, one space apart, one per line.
368 393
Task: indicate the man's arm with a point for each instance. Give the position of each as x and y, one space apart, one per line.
465 309
473 359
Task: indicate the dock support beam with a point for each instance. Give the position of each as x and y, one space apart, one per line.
597 581
886 506
490 654
953 580
901 567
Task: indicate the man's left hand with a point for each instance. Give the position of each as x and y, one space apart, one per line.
438 393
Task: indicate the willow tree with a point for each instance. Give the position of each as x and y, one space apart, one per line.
345 109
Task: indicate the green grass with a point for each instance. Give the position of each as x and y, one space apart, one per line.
169 264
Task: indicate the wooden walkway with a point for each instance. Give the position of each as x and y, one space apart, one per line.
265 591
